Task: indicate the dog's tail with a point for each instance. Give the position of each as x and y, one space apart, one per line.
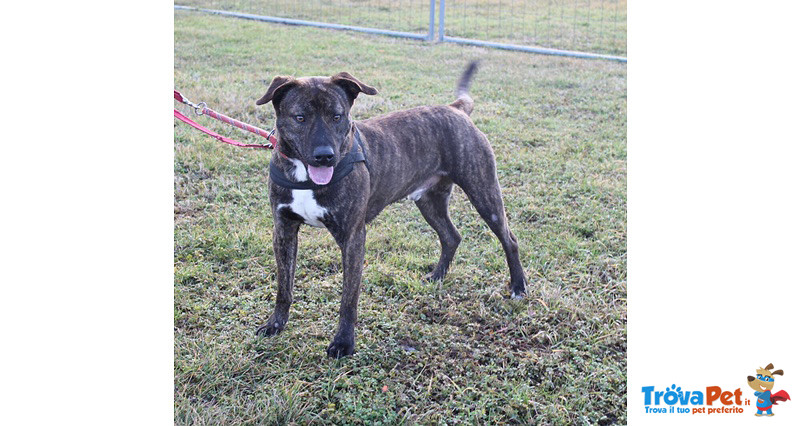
464 101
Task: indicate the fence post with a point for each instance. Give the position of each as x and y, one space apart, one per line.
441 20
432 20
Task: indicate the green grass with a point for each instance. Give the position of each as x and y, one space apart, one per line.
598 26
456 352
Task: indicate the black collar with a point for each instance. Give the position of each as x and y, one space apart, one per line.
340 171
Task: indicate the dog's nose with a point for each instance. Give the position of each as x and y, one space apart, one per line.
323 155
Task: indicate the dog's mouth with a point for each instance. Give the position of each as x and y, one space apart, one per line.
320 175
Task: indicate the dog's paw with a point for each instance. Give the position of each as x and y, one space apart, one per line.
432 277
339 348
272 327
518 291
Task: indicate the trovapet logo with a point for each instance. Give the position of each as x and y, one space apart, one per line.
714 400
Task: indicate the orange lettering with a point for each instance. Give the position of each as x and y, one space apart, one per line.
712 394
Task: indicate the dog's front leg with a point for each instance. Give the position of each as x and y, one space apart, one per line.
352 246
284 244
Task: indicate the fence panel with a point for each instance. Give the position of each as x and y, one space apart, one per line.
407 16
595 26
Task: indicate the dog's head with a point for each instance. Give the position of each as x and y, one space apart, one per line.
765 379
313 118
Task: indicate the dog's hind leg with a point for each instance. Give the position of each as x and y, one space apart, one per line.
484 193
433 205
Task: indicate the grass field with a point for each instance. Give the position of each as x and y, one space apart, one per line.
456 352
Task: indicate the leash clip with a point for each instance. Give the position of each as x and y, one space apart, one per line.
199 108
269 143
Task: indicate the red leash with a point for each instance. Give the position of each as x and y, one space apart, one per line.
201 109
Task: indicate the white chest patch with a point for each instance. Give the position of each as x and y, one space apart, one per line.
303 203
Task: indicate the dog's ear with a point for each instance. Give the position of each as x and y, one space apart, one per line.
768 367
276 89
778 372
352 86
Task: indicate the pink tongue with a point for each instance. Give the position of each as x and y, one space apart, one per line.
320 175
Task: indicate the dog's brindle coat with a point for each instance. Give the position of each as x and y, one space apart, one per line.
418 153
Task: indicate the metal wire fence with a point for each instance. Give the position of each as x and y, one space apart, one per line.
412 16
596 26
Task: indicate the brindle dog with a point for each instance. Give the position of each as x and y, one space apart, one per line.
417 153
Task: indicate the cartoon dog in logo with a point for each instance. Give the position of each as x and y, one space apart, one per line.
763 383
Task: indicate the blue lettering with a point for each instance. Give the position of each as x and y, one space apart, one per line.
671 397
647 390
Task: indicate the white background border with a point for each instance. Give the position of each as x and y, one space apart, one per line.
713 187
87 186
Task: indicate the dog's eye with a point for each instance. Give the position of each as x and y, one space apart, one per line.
300 118
337 117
